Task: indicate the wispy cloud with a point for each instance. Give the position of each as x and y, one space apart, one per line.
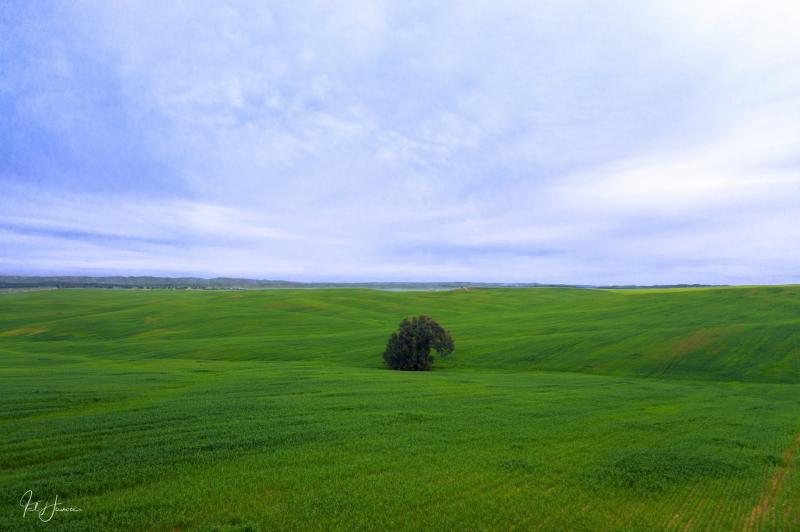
560 141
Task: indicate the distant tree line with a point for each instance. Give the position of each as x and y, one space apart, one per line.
232 283
228 283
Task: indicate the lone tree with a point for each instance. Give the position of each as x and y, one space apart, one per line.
410 347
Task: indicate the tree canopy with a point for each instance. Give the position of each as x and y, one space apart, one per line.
410 347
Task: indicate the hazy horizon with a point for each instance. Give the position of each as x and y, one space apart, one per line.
361 281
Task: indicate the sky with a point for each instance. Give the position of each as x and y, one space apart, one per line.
585 142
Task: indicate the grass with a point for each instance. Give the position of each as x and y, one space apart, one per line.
559 410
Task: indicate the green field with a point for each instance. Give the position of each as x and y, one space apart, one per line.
561 409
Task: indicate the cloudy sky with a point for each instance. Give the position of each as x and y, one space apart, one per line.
565 141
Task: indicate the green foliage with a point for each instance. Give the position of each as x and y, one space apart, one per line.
410 347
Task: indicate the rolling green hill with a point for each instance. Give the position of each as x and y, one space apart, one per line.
747 334
560 409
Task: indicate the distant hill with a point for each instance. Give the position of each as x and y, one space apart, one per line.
227 283
231 283
734 334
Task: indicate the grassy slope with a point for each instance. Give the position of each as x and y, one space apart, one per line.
748 334
220 409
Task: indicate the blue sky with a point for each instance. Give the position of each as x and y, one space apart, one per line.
573 142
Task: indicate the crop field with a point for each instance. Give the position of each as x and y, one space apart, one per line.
560 409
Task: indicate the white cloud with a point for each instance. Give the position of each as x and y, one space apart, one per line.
556 141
